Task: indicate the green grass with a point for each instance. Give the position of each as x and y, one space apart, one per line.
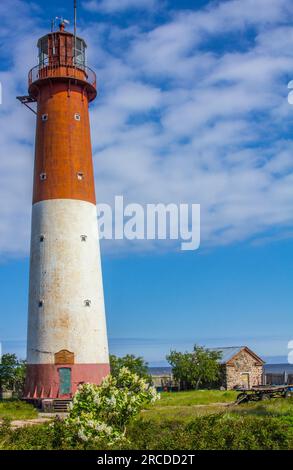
185 406
16 409
281 408
179 413
196 397
260 425
177 422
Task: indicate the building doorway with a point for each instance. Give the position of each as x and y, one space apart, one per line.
64 381
244 380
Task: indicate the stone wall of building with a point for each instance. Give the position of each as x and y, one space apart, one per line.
235 372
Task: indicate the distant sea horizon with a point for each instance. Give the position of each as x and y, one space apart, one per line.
268 369
269 360
149 349
280 367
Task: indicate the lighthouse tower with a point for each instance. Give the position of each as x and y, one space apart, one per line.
67 338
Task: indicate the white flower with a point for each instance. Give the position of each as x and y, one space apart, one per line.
111 401
144 385
103 427
82 435
97 399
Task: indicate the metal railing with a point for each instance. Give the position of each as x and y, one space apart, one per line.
79 72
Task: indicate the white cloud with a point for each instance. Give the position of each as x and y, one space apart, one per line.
113 6
136 97
181 117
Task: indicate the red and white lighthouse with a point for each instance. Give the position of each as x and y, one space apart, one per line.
67 337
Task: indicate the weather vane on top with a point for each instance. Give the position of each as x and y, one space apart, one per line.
62 21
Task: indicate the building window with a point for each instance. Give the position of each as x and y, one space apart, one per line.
44 117
43 176
42 238
83 238
77 117
80 176
87 303
41 303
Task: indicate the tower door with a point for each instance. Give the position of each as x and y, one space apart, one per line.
64 381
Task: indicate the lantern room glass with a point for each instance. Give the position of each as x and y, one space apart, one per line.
43 51
80 52
51 51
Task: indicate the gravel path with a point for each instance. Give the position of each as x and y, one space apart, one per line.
41 419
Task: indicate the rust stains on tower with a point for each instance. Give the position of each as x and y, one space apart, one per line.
63 87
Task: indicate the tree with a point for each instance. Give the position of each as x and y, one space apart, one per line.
101 413
199 367
136 365
12 373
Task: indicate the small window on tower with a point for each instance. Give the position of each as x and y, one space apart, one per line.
44 117
87 303
83 238
77 117
80 176
43 176
41 303
42 238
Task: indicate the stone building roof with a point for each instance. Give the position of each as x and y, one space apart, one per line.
228 353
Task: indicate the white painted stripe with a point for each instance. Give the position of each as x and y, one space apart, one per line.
65 272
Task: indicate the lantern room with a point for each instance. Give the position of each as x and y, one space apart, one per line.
61 49
62 57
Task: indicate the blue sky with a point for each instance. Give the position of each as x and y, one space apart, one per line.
192 108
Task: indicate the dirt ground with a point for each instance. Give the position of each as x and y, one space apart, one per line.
41 419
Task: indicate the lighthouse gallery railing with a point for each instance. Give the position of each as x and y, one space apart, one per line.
40 72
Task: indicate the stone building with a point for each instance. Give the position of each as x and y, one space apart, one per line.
240 367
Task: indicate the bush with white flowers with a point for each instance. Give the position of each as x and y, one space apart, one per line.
102 412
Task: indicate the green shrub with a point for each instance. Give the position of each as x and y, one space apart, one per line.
25 438
101 413
213 432
238 433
